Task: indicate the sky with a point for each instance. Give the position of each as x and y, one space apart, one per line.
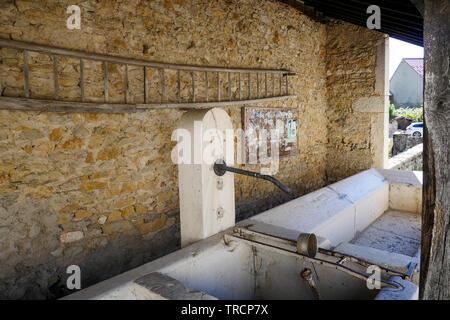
398 50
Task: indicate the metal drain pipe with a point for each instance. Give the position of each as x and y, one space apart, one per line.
220 168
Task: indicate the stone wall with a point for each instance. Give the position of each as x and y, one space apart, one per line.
411 159
100 190
403 142
403 122
357 100
393 127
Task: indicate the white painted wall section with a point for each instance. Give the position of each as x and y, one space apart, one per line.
369 192
405 189
207 203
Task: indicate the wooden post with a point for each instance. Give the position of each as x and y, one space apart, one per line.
435 251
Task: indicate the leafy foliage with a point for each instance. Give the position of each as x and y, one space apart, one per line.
412 113
391 111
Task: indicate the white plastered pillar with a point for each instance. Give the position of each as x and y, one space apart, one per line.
206 200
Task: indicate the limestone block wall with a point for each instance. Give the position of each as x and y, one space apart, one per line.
100 190
357 95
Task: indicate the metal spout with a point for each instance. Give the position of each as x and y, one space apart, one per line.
220 168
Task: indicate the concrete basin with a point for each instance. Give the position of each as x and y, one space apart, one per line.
348 217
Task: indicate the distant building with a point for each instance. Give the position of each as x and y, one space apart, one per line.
406 84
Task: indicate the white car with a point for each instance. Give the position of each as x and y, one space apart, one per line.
416 129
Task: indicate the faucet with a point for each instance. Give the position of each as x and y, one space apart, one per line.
220 168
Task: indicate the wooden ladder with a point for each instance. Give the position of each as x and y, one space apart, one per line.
55 104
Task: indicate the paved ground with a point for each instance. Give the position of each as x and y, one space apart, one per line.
395 231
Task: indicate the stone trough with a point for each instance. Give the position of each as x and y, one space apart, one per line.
373 216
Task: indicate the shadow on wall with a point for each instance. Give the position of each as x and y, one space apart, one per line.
48 281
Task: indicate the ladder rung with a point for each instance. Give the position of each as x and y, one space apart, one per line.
249 87
229 86
55 77
265 80
287 85
145 85
179 84
206 84
26 83
281 84
193 86
163 85
257 85
218 86
105 64
127 85
82 79
240 87
273 85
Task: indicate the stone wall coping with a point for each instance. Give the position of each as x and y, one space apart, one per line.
406 156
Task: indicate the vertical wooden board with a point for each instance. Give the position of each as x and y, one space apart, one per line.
435 250
257 119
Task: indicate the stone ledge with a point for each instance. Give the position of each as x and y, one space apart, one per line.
407 158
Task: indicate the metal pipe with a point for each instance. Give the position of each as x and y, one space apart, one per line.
307 244
220 168
325 263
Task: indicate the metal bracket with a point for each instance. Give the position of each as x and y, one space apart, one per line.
262 239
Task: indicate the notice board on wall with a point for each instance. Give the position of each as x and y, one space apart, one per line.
258 124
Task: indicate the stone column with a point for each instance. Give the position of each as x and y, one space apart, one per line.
380 116
377 105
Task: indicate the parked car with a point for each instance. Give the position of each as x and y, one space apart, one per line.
416 129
